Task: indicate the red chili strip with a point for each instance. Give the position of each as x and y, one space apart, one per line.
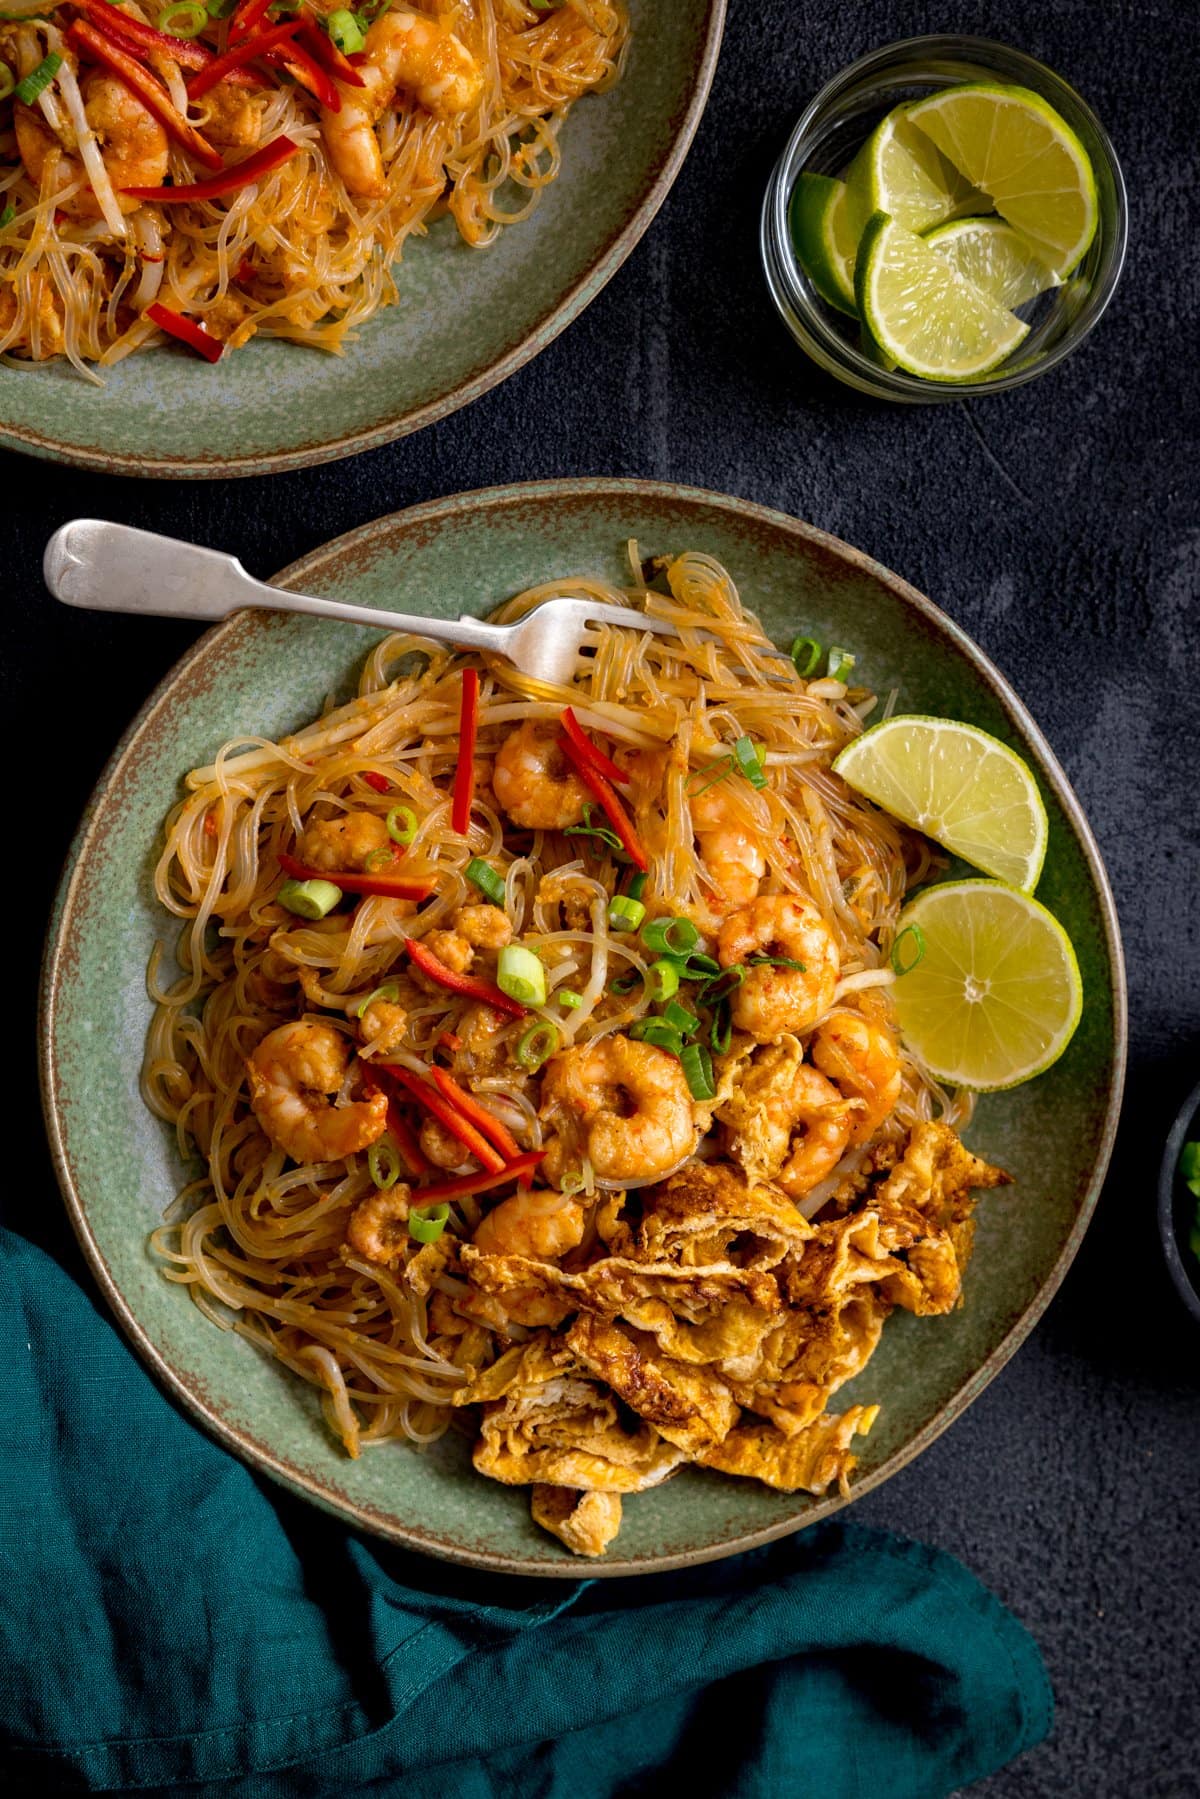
613 810
322 49
87 41
600 762
468 731
406 1141
460 1186
480 1117
449 1040
238 174
427 962
408 887
186 330
246 15
189 53
446 1114
239 54
379 782
308 72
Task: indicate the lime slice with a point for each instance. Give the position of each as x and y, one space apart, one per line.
922 313
996 995
899 171
993 257
825 239
1012 144
959 786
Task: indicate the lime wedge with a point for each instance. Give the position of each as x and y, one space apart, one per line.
922 313
899 171
824 238
993 257
952 781
1012 144
995 995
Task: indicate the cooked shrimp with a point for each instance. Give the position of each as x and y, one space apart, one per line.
132 143
534 782
784 1122
232 116
483 927
773 999
378 1225
629 1100
822 1124
291 1074
452 949
863 1060
403 50
729 851
343 843
441 1146
482 1033
541 1224
383 1027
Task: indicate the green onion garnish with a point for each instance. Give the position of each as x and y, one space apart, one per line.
537 1045
627 982
346 31
309 899
185 18
521 975
671 936
805 653
697 1066
776 962
1189 1166
401 824
698 968
721 1034
426 1223
685 1022
903 959
482 875
703 778
39 79
7 82
377 860
10 211
841 662
588 829
662 978
721 985
383 1160
389 992
625 914
658 1032
749 757
637 886
220 9
567 996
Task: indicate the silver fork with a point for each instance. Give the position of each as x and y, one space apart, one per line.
105 567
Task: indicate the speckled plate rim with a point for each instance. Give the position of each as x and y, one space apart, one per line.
170 468
305 573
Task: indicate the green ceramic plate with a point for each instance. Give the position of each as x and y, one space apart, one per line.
270 672
466 318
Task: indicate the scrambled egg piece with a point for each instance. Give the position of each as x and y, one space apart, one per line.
809 1462
689 1406
708 1213
586 1522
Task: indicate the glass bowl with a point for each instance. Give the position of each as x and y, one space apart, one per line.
830 130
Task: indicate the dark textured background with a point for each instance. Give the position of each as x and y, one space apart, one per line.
1060 526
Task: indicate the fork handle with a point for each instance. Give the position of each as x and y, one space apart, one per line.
105 567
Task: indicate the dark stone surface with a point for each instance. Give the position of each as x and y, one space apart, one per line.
1059 525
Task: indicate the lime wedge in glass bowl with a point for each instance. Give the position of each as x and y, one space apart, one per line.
901 172
960 786
922 313
993 256
992 993
825 238
1011 143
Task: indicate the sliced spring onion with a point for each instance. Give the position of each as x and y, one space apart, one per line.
662 978
637 886
537 1045
704 778
520 974
908 949
389 992
573 1181
671 936
776 962
383 1161
346 32
7 84
184 18
721 1034
658 1032
698 968
309 899
219 9
401 824
624 913
627 982
39 79
377 860
10 211
685 1022
697 1067
1189 1167
588 829
805 653
567 996
426 1223
481 874
749 757
841 663
721 985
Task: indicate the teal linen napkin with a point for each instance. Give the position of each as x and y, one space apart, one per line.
166 1617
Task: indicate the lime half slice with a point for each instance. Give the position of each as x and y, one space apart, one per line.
899 171
995 995
923 314
825 239
1012 144
965 789
993 257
